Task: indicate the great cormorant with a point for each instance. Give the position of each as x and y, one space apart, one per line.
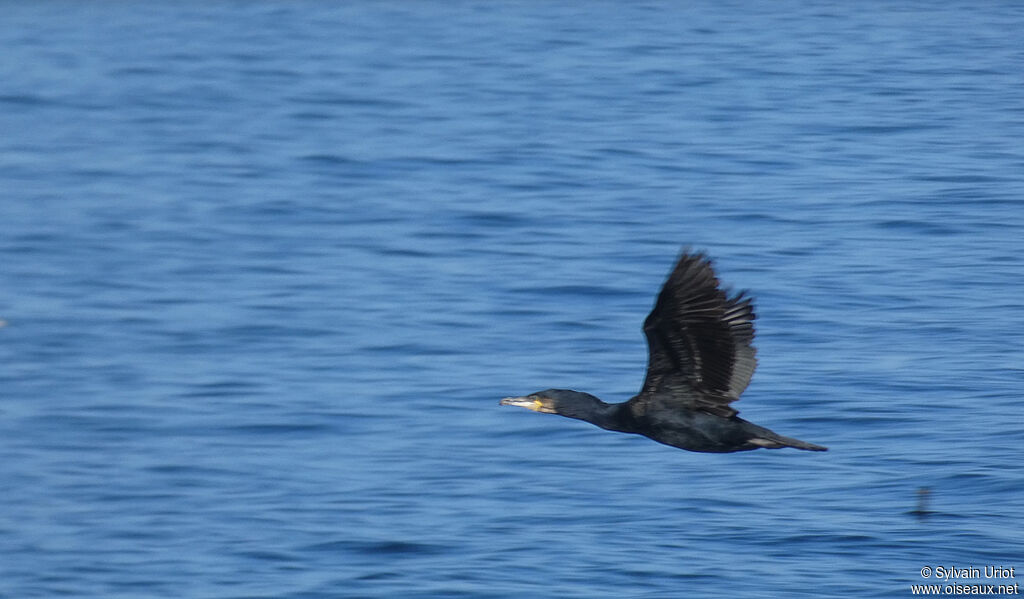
700 359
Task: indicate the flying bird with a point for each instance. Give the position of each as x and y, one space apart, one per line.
700 359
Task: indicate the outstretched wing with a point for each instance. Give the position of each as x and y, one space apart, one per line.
699 341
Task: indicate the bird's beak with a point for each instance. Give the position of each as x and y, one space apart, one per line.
527 402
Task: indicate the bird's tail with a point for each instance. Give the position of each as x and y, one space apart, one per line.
798 444
772 440
777 441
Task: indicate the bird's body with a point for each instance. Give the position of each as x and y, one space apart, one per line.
700 359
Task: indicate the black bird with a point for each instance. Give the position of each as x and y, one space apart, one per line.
700 359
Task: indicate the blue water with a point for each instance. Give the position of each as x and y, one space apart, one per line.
267 267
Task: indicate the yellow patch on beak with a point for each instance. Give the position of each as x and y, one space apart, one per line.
543 408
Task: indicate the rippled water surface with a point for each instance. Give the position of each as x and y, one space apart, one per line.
266 269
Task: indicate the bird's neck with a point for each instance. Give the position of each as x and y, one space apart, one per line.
610 416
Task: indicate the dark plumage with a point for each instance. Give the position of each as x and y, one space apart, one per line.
700 359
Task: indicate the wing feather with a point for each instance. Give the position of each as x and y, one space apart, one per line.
700 340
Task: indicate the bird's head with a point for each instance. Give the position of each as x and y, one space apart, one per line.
573 404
